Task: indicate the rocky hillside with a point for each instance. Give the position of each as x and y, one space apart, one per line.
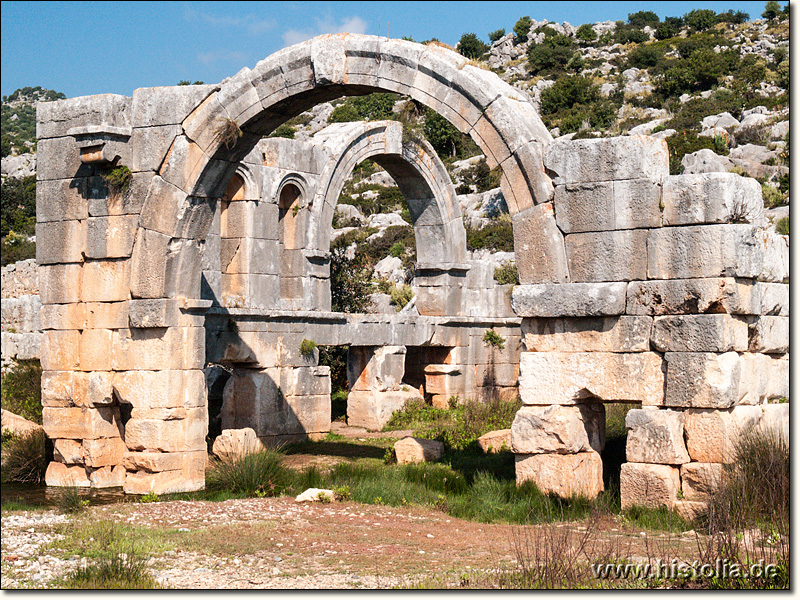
714 86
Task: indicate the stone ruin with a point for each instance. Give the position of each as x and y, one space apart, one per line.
636 286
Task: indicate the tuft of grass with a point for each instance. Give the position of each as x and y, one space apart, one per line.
307 347
259 473
71 501
118 179
782 226
401 296
661 518
25 457
506 273
229 133
492 338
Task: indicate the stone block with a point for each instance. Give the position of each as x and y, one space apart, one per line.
539 246
706 251
107 476
776 256
653 486
774 298
775 420
655 436
375 368
690 510
495 441
706 380
61 200
165 105
80 423
58 158
712 198
153 389
695 296
412 450
699 333
60 284
148 264
149 145
111 237
444 380
569 299
63 316
305 381
711 435
61 475
607 159
187 479
769 335
93 389
559 429
60 242
372 409
607 255
60 350
608 205
95 350
166 436
569 378
54 119
103 452
567 475
316 495
68 451
58 388
106 280
700 480
16 424
587 334
234 443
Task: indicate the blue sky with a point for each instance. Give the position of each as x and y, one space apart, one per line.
83 48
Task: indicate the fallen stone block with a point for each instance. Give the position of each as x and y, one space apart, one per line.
699 480
569 299
653 486
495 441
315 495
712 198
411 450
567 475
558 429
695 296
575 377
16 424
588 334
236 443
690 510
712 435
372 409
655 436
699 333
107 476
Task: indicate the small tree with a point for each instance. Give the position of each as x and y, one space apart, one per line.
772 10
701 19
522 28
643 18
586 33
471 47
496 35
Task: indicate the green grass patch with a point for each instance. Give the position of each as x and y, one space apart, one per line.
661 519
257 474
22 390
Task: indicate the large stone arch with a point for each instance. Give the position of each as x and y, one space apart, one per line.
502 122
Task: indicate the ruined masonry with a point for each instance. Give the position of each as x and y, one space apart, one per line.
194 290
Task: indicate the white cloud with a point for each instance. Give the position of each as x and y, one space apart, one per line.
249 23
328 25
217 56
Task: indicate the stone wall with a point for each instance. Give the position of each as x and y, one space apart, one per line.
675 299
21 328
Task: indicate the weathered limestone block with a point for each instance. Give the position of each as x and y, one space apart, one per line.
539 250
184 435
776 256
80 423
411 450
316 495
444 380
160 389
154 462
774 298
55 119
695 296
711 435
16 424
710 251
58 388
642 484
589 334
148 264
151 107
63 316
567 475
775 420
66 242
106 280
608 205
103 452
189 478
61 475
495 441
690 510
700 480
574 377
68 451
607 255
712 198
107 476
699 333
655 436
234 443
93 389
607 159
375 368
111 237
62 199
60 284
569 299
159 348
559 429
769 335
373 409
60 350
95 350
22 313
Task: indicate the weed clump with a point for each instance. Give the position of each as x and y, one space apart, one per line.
259 473
71 501
22 390
118 179
25 457
307 347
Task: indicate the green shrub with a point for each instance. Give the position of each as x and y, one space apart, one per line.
307 347
700 19
568 91
119 178
645 56
630 35
643 18
586 33
546 58
496 35
772 10
17 207
16 247
261 473
492 338
401 296
521 29
372 107
344 113
681 144
481 176
497 235
667 30
736 18
470 46
772 196
25 457
506 273
284 130
22 390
